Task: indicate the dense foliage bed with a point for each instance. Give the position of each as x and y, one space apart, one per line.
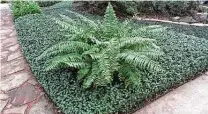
186 54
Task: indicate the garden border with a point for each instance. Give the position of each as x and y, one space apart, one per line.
167 21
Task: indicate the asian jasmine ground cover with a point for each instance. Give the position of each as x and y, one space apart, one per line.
186 54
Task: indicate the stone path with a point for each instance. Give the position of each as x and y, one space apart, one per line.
190 98
20 92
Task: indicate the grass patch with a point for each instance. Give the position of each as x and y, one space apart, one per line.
186 54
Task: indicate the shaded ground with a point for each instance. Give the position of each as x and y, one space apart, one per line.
190 98
20 92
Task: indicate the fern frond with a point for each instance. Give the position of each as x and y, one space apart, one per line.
90 78
98 42
152 53
63 64
93 53
60 61
68 57
149 30
125 29
82 73
76 64
64 47
140 42
130 74
140 61
104 66
105 70
55 65
110 17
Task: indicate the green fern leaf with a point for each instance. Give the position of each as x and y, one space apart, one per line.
64 47
82 73
91 78
60 61
110 17
141 61
138 41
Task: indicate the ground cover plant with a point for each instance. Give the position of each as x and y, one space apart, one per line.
186 54
21 8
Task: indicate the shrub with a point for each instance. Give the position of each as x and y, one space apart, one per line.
46 3
62 4
101 52
172 8
185 56
133 7
175 8
4 1
21 8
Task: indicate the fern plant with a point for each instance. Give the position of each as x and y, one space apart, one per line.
101 51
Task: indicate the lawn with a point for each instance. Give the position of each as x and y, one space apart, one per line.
186 55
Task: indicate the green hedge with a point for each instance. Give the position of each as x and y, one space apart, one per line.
21 8
186 56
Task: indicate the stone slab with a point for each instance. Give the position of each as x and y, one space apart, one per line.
3 37
33 81
14 47
24 94
13 34
6 32
42 107
12 66
1 23
3 104
16 110
3 96
9 42
14 55
14 81
4 54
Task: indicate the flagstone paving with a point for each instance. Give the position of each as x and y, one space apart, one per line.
20 92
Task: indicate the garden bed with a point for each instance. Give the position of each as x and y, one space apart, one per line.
186 55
